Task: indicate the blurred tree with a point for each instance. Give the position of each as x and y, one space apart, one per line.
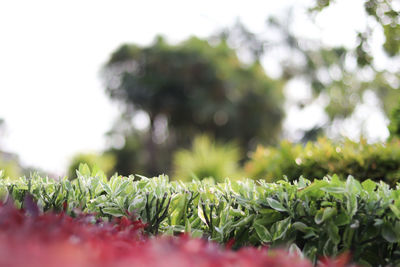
187 89
386 14
339 77
394 126
384 83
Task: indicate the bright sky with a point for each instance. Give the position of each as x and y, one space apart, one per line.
51 52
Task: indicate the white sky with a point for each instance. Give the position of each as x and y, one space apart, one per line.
51 52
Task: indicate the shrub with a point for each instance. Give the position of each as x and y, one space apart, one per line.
326 217
207 159
315 160
46 240
9 165
106 162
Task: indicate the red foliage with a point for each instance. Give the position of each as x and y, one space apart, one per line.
31 239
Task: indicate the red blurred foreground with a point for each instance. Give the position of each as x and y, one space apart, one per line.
30 239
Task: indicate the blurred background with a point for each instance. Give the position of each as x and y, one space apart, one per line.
197 89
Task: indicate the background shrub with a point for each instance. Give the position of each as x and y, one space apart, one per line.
207 159
106 162
315 160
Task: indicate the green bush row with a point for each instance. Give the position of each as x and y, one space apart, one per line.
315 160
325 217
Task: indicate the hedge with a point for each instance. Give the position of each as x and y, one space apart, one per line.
46 240
316 159
322 218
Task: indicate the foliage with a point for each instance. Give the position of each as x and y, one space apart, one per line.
386 15
83 241
315 160
9 165
394 126
105 162
189 89
350 84
207 159
326 217
327 72
339 78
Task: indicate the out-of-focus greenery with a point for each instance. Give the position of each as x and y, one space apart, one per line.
328 73
336 77
133 156
386 15
10 168
191 88
105 162
394 126
207 159
315 160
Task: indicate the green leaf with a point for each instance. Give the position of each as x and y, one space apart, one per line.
113 211
84 170
280 228
120 187
333 232
389 233
188 226
351 205
319 217
324 215
262 233
137 204
275 204
334 189
200 213
302 227
106 188
341 219
369 185
244 221
395 210
236 212
329 212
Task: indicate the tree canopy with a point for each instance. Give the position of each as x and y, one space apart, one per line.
337 77
191 88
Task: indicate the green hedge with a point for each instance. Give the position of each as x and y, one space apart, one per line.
326 217
315 160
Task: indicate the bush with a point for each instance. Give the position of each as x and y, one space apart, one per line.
326 217
207 159
83 241
9 165
315 160
106 162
